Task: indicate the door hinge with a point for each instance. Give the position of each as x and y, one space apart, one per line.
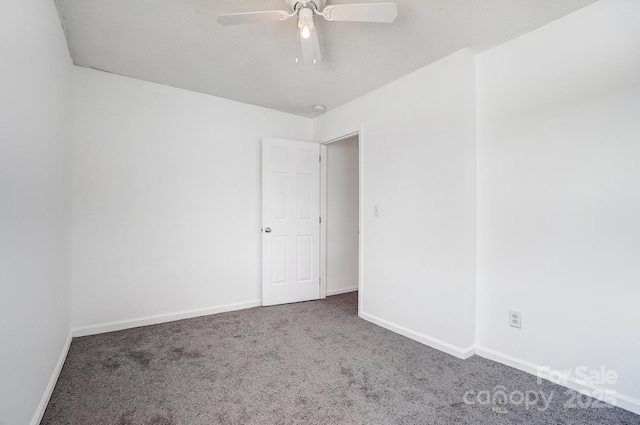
320 220
320 158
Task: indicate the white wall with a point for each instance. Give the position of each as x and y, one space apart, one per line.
419 147
559 193
35 206
166 189
342 216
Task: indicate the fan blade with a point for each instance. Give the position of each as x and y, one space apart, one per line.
362 12
253 17
310 48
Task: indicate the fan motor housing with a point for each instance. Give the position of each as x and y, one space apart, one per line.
319 4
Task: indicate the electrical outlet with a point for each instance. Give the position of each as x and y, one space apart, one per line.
515 319
376 211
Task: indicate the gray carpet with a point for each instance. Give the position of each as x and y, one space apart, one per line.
306 363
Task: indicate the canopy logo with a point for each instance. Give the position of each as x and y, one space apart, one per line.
593 396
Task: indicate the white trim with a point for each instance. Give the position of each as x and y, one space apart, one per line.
628 403
354 133
48 391
505 359
623 401
161 318
323 222
361 218
342 291
461 353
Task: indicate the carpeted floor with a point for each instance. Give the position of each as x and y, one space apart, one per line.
306 363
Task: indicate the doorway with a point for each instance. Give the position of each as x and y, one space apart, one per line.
340 211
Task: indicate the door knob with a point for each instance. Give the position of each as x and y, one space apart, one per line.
267 229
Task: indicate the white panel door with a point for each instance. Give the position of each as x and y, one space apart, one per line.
290 221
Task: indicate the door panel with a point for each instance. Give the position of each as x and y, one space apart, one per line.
290 221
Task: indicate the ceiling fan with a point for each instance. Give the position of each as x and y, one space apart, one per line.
306 10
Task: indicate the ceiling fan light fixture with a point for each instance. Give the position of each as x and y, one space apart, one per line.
305 10
305 22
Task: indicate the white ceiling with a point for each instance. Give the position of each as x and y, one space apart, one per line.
179 43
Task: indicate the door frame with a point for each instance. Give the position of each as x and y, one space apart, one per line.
323 211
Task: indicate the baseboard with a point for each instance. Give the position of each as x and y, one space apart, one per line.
44 401
623 401
341 291
161 318
461 353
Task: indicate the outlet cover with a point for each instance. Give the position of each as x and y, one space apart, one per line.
515 319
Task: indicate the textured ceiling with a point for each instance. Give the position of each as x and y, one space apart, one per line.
179 43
